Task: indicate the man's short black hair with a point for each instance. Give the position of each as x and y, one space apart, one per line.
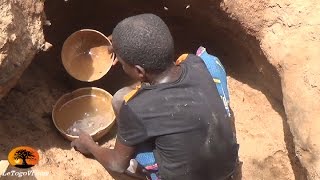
144 40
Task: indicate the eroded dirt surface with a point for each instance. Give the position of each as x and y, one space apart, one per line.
21 35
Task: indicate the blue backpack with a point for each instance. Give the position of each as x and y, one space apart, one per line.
218 74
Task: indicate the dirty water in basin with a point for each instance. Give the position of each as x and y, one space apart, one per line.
88 113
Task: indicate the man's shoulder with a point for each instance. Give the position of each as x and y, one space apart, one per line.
192 58
144 98
188 59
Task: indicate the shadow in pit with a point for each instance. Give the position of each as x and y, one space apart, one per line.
300 172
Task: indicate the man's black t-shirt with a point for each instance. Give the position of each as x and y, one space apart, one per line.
187 122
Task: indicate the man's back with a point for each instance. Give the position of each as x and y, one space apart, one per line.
187 122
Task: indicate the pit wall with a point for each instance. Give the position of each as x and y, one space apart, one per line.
21 36
289 36
283 40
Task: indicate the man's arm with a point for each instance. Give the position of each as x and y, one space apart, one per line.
116 160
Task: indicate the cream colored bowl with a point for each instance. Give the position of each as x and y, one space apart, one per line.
92 104
85 55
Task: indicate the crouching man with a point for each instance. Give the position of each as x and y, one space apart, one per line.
174 117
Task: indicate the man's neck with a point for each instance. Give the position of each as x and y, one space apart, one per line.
170 75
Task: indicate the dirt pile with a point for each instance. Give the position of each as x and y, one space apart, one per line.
289 33
20 38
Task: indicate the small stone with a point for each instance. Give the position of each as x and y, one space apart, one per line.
46 46
47 23
13 37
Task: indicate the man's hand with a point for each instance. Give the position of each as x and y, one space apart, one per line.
111 51
83 143
116 160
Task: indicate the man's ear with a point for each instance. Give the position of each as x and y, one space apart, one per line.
141 73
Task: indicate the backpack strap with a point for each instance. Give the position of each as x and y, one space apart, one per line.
181 59
132 93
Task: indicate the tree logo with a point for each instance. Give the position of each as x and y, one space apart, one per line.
23 157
